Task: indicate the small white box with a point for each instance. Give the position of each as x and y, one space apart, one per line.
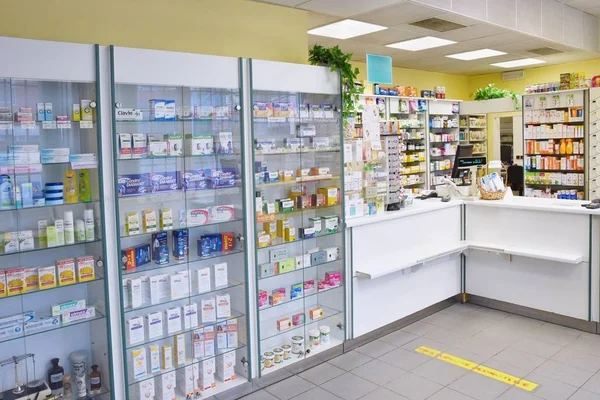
222 335
174 145
177 285
125 146
221 275
135 291
139 362
167 356
225 367
198 343
207 375
166 386
139 145
203 280
154 325
223 306
190 316
147 390
232 333
135 329
209 341
154 358
179 349
208 309
154 288
173 318
157 109
188 380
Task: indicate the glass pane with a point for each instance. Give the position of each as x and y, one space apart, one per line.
180 206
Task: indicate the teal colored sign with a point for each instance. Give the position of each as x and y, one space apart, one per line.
379 69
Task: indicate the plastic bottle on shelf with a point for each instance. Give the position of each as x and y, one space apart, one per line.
569 146
85 194
563 146
581 147
18 198
71 192
6 192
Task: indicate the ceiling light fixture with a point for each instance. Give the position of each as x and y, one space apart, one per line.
519 63
427 42
346 29
476 54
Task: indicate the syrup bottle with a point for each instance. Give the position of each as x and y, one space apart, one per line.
95 380
55 377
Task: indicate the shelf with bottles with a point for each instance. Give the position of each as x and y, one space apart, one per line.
554 146
555 179
441 165
550 192
479 148
552 163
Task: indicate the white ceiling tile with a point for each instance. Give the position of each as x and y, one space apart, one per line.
443 4
552 24
590 32
470 8
346 8
524 45
459 19
573 26
583 4
502 12
472 32
496 40
387 36
316 20
398 14
529 16
287 3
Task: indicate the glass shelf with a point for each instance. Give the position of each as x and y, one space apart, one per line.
272 332
36 242
234 315
232 284
99 278
189 227
49 206
297 240
178 195
300 269
296 182
298 299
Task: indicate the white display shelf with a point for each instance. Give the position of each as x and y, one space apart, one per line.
294 358
269 326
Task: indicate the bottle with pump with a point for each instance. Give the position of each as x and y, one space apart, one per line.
84 186
95 380
563 146
71 190
569 146
55 378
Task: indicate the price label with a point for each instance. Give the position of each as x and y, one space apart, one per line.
49 125
63 124
29 125
84 165
6 126
86 125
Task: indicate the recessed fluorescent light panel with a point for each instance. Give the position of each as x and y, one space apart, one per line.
427 42
477 54
519 63
346 29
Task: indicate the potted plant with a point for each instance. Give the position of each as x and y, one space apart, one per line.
337 60
490 99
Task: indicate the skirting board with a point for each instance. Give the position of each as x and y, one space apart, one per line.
570 322
394 326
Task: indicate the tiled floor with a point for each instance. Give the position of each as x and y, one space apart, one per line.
564 362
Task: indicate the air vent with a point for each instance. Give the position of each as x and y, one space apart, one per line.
544 51
438 25
513 75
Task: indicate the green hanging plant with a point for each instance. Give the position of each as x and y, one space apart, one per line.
492 92
337 60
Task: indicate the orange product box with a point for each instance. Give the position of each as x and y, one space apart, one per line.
66 271
228 240
2 283
15 281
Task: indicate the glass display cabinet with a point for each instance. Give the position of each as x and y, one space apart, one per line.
299 228
180 206
54 332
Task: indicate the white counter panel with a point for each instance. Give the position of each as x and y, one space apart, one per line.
545 285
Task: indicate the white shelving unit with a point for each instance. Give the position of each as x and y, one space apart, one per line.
444 137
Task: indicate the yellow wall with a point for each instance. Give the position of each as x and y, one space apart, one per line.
534 76
237 28
456 85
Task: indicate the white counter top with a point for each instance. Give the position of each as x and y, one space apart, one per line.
418 207
521 203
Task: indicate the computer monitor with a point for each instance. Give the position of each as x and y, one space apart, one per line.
463 150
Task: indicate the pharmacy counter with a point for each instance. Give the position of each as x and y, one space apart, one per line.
540 254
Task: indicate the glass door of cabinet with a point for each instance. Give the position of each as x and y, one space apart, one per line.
298 219
181 224
53 332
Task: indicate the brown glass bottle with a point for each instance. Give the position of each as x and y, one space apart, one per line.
95 380
55 377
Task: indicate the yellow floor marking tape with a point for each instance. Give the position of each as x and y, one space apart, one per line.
478 368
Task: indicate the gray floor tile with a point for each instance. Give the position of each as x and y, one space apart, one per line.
316 394
350 360
349 386
578 359
586 344
423 341
550 389
418 328
321 373
449 394
462 309
519 322
593 384
375 348
584 395
502 335
445 320
467 355
289 388
556 334
399 338
439 371
405 359
537 347
517 394
378 372
482 346
506 368
260 395
447 336
479 387
413 387
383 394
520 359
564 373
